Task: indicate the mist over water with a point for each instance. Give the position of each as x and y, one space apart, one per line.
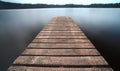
19 27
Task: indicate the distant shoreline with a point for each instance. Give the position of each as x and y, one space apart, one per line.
8 5
50 8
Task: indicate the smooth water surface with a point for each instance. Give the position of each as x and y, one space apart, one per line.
19 27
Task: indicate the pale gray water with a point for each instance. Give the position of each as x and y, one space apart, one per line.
19 27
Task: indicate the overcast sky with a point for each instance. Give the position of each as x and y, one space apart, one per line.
64 1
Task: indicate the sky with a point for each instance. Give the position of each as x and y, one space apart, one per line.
85 2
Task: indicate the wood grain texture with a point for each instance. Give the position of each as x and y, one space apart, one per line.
60 45
60 37
24 68
45 60
64 40
61 33
89 52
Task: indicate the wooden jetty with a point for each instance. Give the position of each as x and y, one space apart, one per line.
60 46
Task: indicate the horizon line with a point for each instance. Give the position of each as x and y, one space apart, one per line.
57 4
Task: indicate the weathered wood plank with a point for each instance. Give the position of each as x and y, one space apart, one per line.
60 45
69 52
61 34
63 27
61 37
61 31
45 60
75 33
51 40
60 25
24 68
66 29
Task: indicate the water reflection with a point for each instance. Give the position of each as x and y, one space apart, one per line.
19 27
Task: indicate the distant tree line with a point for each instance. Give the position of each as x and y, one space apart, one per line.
8 5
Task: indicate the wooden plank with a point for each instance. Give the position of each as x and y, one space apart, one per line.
58 29
60 45
63 27
61 31
55 29
45 60
60 25
69 52
24 68
62 40
61 37
61 34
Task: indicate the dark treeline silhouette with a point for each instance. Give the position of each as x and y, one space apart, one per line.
8 5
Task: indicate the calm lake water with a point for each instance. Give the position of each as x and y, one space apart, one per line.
19 27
